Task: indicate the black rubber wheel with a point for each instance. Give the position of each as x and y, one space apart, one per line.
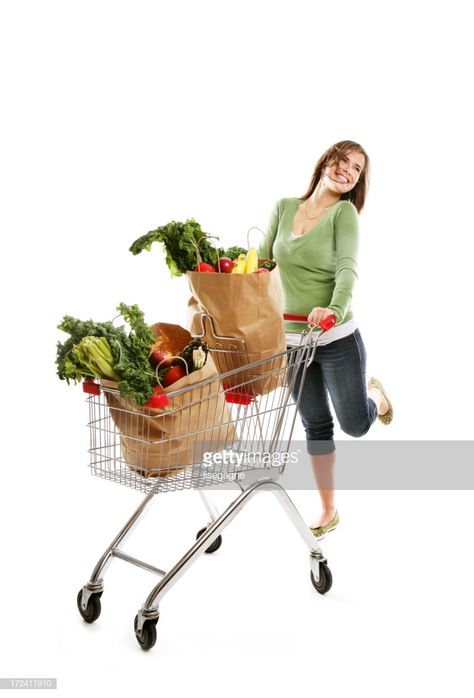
93 608
325 579
214 546
147 638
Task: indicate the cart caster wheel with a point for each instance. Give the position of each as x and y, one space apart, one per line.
325 579
214 546
93 608
147 638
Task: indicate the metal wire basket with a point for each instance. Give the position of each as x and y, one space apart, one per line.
177 447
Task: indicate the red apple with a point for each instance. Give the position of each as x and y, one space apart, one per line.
225 265
262 270
163 359
173 374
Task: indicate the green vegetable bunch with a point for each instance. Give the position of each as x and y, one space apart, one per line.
183 243
92 357
101 350
233 252
268 264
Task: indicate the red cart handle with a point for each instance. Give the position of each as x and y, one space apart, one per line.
325 324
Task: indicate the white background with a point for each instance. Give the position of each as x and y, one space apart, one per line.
118 117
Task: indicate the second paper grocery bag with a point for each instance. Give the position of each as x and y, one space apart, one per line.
246 307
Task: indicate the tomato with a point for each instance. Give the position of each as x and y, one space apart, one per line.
225 265
174 374
204 266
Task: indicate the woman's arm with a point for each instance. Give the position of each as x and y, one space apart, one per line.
347 244
265 249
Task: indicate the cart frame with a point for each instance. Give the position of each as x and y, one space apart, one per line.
209 538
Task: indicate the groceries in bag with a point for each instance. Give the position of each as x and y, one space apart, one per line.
246 307
156 427
163 442
243 300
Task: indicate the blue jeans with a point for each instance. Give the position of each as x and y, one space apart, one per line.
338 369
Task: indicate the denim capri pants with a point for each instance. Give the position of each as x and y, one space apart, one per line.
338 372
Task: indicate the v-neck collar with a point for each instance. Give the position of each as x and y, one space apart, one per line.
300 237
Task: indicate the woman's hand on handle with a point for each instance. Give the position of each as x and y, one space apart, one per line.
317 315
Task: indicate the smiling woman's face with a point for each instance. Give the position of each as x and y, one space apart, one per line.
342 176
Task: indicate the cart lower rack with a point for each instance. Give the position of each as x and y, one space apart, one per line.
210 433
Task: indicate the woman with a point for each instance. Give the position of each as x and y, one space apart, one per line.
314 240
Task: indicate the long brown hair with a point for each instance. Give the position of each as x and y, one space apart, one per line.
334 154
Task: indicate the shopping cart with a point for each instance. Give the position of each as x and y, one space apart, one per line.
249 423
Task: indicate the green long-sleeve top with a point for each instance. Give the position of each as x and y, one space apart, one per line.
319 268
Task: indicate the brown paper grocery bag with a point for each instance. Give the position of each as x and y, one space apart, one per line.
246 307
163 442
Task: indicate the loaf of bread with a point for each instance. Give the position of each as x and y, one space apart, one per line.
169 337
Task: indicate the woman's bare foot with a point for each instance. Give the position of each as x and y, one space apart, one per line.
378 398
325 518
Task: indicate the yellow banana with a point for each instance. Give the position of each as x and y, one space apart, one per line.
240 264
252 261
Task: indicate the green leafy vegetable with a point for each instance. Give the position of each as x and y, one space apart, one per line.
129 353
91 358
137 377
184 243
268 264
233 252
